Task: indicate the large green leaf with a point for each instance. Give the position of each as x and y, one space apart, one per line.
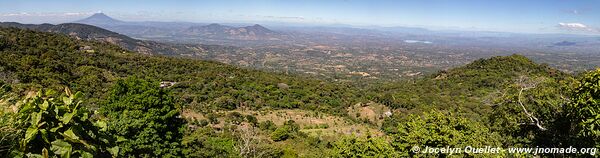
44 135
35 118
114 151
45 105
70 135
103 126
54 129
67 100
85 154
30 134
68 116
61 148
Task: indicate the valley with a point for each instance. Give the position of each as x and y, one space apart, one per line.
354 53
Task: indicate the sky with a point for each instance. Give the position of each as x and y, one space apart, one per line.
523 16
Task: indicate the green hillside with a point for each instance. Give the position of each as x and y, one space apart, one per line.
46 60
63 96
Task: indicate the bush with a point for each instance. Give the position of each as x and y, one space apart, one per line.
288 130
267 126
584 110
9 132
235 118
61 127
441 129
280 134
145 116
362 147
212 118
204 142
203 123
252 120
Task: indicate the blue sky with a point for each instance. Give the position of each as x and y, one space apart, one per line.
533 16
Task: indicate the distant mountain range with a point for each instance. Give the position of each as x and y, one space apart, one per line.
182 29
89 32
217 31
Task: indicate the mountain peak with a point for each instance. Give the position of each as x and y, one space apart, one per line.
214 24
259 28
99 19
99 15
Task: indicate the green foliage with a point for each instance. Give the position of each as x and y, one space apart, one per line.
146 117
362 147
252 120
543 98
3 43
205 142
280 134
441 129
55 61
235 118
267 125
288 130
584 110
9 130
212 118
61 127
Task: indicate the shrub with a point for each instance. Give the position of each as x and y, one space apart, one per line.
267 126
252 120
441 129
362 147
146 116
584 110
61 127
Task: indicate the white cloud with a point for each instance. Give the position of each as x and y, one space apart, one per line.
573 25
286 17
577 27
26 14
43 17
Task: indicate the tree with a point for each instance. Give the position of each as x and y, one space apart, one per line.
529 112
363 147
145 116
584 110
441 129
251 144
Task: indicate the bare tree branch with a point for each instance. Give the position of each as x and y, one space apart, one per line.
249 142
525 85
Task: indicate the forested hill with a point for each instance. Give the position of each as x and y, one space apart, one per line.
53 61
82 31
496 71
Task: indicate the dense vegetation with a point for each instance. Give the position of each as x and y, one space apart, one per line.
55 61
141 104
145 117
